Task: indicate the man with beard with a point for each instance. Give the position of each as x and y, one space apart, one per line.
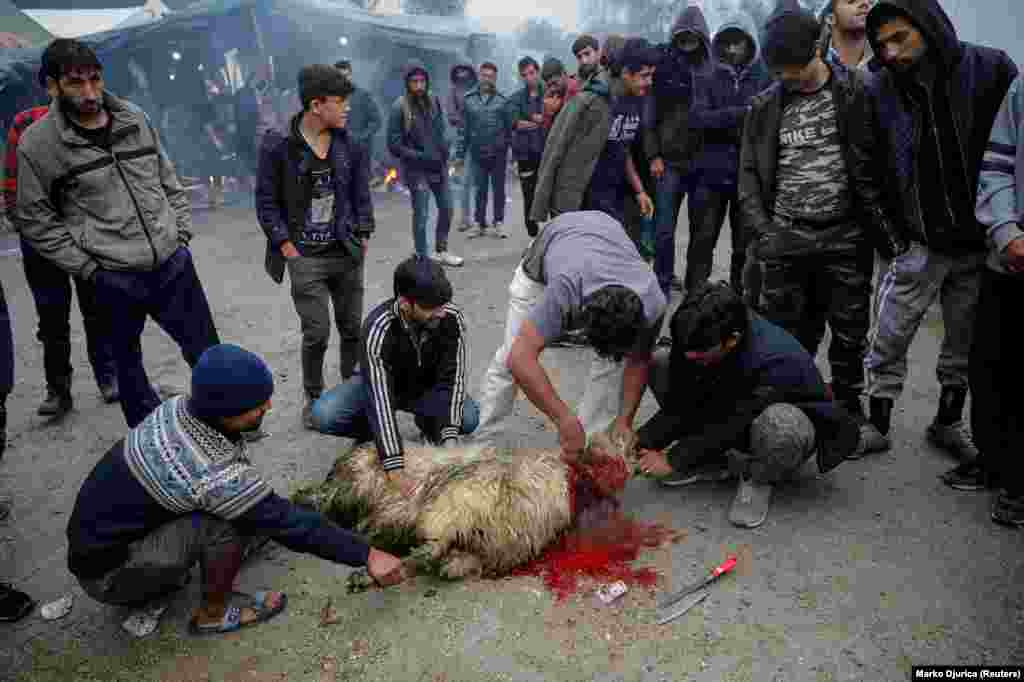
51 289
559 88
313 202
929 116
528 133
721 101
587 163
845 40
414 359
463 79
587 51
800 204
363 115
98 196
483 141
673 143
187 493
416 137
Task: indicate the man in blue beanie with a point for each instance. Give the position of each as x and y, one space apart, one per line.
187 493
413 359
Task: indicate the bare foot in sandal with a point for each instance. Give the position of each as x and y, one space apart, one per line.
236 611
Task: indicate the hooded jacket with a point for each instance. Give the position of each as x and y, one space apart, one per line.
974 80
721 99
673 140
487 129
574 147
283 192
455 103
84 207
417 138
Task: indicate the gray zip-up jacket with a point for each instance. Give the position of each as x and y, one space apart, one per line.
84 207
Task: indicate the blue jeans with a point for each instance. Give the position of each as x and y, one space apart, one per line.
345 411
420 193
490 174
173 296
671 190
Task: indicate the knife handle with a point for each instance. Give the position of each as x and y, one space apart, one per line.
725 566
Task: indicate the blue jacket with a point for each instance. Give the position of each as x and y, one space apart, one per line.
720 103
487 130
417 138
976 80
711 410
283 194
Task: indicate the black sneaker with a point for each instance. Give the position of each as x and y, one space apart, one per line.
1008 510
969 476
14 604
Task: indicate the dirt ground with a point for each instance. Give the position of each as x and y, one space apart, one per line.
857 575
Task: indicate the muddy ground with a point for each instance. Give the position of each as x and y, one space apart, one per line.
857 575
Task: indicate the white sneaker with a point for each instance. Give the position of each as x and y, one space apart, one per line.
448 258
498 231
481 231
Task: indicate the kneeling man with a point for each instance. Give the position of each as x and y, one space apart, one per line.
738 393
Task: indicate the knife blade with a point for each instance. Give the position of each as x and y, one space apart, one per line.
688 602
721 569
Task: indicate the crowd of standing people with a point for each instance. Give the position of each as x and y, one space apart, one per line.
869 164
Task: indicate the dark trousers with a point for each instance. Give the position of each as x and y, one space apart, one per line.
489 173
173 296
319 282
707 215
528 181
673 187
801 293
51 289
996 372
6 351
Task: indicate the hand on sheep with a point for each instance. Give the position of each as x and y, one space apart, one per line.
402 480
622 431
384 568
571 437
654 463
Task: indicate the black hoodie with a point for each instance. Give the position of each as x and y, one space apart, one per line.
941 113
674 141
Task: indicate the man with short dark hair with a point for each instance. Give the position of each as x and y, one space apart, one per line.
929 116
995 372
416 137
845 41
799 203
313 202
581 273
186 493
738 394
528 134
484 138
588 164
587 51
364 120
98 196
51 288
414 357
559 88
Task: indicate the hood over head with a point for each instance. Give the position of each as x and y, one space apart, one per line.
929 17
467 81
415 66
744 22
692 19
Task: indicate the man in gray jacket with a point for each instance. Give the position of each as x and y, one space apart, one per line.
485 137
98 196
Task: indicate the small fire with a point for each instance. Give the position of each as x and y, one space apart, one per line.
391 176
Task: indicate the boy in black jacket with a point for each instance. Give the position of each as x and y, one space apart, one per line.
732 384
413 359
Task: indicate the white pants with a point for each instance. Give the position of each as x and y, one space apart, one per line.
602 398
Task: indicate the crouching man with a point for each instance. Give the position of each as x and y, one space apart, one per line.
186 493
736 393
581 273
413 359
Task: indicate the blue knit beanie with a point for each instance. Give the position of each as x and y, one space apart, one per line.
229 381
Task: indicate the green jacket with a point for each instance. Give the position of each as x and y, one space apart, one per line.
573 148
